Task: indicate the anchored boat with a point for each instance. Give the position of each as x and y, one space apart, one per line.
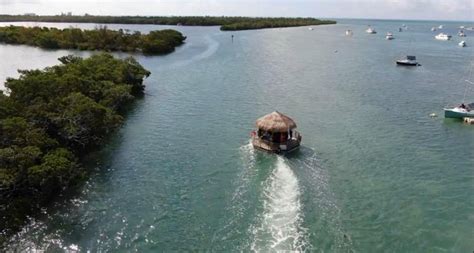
389 36
460 112
463 110
410 60
275 133
370 30
443 36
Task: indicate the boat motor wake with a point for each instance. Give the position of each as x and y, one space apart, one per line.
280 224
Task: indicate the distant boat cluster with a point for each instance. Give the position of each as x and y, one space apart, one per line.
440 36
463 111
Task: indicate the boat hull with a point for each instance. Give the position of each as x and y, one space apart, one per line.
443 38
406 63
450 113
278 148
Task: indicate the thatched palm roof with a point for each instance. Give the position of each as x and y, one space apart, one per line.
275 122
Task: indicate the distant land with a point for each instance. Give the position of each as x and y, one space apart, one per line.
226 23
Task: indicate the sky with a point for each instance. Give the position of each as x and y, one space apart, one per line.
377 9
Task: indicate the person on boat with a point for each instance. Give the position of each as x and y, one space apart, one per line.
463 106
283 137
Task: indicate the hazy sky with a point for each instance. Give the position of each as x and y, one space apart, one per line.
390 9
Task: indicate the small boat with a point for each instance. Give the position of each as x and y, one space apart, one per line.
310 28
349 32
461 27
462 43
440 26
459 112
400 29
409 60
275 133
470 28
443 36
370 30
461 33
433 29
389 36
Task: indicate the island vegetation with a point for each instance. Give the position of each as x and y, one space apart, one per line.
226 23
101 38
261 23
50 119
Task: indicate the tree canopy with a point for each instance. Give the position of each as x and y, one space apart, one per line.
261 23
226 23
51 118
101 38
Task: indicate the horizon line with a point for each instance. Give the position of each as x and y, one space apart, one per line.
250 16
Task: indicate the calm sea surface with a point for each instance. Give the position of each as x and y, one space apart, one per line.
375 173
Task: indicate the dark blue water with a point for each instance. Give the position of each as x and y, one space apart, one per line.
375 173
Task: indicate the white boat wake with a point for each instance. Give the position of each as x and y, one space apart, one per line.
280 225
211 48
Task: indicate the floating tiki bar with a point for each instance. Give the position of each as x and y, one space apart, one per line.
275 133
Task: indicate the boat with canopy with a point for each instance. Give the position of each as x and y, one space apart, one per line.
276 133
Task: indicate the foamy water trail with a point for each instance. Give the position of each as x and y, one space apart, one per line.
280 225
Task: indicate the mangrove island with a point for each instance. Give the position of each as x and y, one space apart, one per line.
51 119
101 38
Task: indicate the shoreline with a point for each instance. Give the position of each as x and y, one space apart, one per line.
226 23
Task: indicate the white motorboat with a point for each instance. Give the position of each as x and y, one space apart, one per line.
443 36
370 30
410 60
389 36
461 33
440 26
459 112
433 29
462 43
463 110
349 33
310 28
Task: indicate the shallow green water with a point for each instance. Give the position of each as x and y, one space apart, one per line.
375 173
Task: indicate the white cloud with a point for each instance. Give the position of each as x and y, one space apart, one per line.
10 2
426 5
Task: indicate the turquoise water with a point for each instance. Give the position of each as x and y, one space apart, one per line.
375 172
